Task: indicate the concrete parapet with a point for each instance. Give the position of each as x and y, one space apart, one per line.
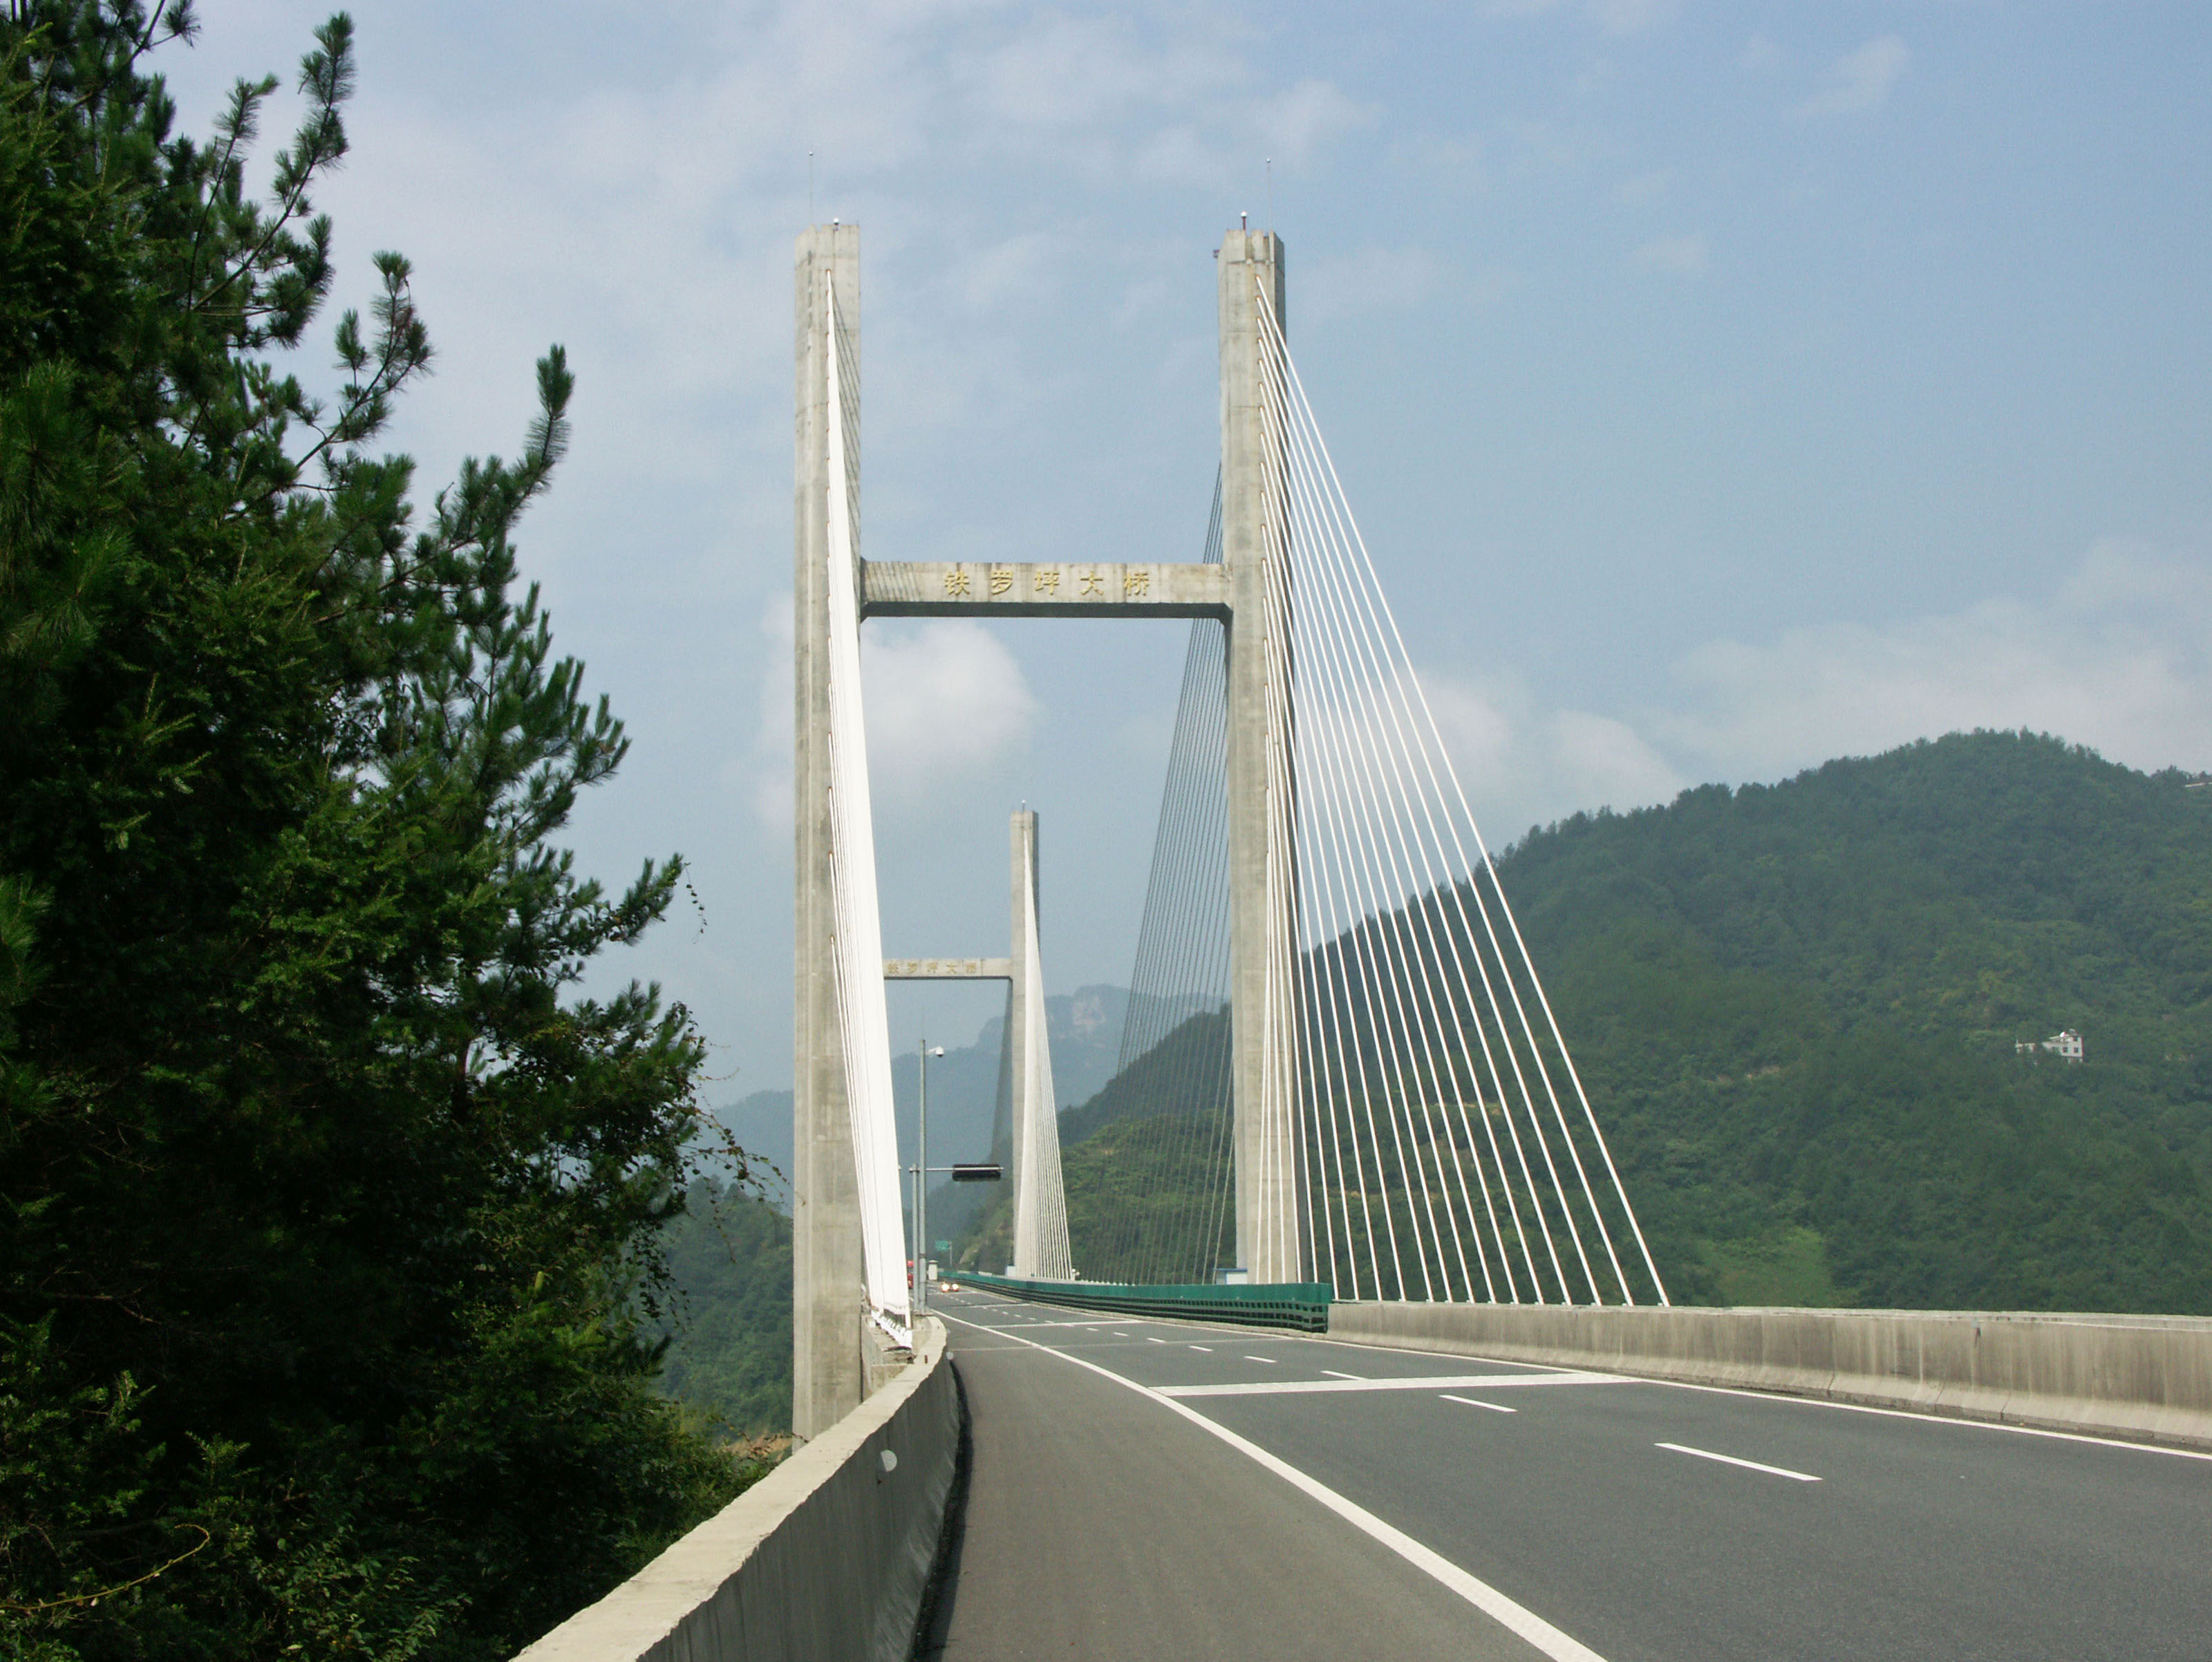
2146 1377
824 1560
1302 1306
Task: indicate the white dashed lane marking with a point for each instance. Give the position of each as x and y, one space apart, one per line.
1472 1402
1749 1465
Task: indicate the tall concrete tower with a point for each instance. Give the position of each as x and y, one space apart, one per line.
1262 782
830 1299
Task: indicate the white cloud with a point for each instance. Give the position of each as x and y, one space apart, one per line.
1300 120
1860 80
2120 659
1521 765
1682 256
946 702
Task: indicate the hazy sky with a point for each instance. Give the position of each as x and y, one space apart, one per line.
1722 388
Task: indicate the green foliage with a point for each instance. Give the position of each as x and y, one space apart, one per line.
729 1323
328 1205
1796 1009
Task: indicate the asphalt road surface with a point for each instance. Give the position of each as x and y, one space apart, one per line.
1147 1490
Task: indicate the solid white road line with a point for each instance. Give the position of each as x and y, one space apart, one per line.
1749 1465
1943 1420
1495 1408
1518 1619
1433 1382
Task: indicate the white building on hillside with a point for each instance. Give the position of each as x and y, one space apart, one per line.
2068 1044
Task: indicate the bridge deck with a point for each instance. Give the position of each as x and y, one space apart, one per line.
1104 1520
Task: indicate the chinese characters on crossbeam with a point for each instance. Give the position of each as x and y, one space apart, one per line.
1135 583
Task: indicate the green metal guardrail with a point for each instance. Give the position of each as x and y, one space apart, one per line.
1303 1306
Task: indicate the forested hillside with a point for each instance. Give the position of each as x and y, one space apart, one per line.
1796 1007
729 1322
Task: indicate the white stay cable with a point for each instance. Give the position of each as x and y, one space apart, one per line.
1371 594
1387 972
1413 972
1281 1166
1376 651
1336 615
1514 1060
1338 876
864 1023
1433 756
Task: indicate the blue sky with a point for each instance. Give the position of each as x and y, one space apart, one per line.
1722 388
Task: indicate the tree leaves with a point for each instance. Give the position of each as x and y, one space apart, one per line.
309 1151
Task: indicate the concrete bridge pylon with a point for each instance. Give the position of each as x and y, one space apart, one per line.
829 1297
839 1313
1262 775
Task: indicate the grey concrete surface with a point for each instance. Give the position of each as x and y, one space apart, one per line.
1096 1525
1051 588
2146 1377
1263 785
829 1287
948 968
1597 1503
824 1560
1022 885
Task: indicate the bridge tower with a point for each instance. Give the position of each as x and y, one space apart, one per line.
1022 871
1262 782
829 1299
836 1349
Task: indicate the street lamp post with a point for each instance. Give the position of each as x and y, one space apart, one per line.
921 1183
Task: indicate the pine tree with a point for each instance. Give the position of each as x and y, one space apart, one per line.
328 1200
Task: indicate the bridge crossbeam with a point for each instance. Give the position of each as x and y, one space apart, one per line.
948 968
1068 589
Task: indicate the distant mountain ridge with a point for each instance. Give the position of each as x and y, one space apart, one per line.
1797 1006
1797 1009
1084 1028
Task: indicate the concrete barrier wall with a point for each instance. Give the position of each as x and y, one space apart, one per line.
2147 1378
824 1560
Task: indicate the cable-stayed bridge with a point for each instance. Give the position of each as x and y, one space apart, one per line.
1345 1340
1343 1066
1367 1356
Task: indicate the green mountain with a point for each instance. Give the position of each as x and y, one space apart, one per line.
728 1326
1797 1009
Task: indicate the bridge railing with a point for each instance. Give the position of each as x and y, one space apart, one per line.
1302 1306
2148 1378
826 1559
